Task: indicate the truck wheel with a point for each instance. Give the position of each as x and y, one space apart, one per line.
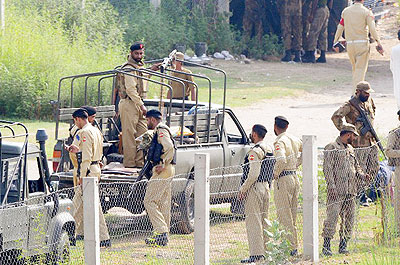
62 253
185 223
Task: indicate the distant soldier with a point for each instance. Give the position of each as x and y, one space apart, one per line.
177 92
255 190
393 153
367 153
334 19
317 35
253 19
90 143
305 16
343 175
157 200
357 21
291 29
287 149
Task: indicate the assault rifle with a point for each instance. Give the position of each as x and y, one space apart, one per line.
167 61
367 126
153 158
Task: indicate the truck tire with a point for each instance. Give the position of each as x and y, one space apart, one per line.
184 224
62 252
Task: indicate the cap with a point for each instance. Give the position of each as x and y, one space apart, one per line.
398 113
259 127
137 46
90 110
364 86
80 113
154 113
349 128
281 118
180 56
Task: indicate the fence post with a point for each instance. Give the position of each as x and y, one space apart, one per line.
90 191
202 209
310 198
2 15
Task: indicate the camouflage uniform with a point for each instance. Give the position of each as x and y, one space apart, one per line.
253 19
342 174
393 153
318 28
291 23
306 10
367 150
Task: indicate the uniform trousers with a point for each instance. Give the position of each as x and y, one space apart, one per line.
396 200
318 30
286 193
358 55
256 211
292 25
74 162
157 200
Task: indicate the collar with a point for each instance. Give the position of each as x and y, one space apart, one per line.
131 61
339 142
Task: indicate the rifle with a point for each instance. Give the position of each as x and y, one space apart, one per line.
164 65
145 171
367 126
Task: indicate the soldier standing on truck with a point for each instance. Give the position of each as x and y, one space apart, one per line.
176 87
287 149
73 134
355 20
90 143
255 190
157 200
291 29
131 107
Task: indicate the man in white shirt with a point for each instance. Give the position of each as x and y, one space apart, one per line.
395 68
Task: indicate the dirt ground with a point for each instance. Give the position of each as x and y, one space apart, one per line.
309 113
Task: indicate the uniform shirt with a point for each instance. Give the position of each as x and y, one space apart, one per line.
341 167
134 86
393 147
72 133
177 87
287 149
354 22
90 143
350 113
164 138
255 155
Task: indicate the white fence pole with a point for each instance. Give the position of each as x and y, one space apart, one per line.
155 3
202 209
310 198
2 14
90 191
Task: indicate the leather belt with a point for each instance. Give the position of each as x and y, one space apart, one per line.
287 173
356 41
94 162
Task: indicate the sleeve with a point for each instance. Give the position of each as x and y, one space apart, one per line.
371 26
328 166
280 156
390 151
254 171
164 138
392 62
338 115
339 30
300 158
131 90
86 147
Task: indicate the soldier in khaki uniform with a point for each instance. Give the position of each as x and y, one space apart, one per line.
90 143
291 26
393 153
157 200
367 150
355 20
73 134
287 149
343 175
177 92
255 190
131 106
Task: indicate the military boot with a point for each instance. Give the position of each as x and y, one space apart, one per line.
309 57
322 58
326 249
157 240
252 259
297 57
287 57
343 246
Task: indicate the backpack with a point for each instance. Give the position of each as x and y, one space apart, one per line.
120 82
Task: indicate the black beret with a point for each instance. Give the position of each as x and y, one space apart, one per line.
154 113
137 46
281 118
80 113
90 110
260 127
398 113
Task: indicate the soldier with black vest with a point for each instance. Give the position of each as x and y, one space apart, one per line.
393 153
257 173
157 200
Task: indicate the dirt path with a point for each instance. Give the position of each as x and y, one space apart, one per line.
310 112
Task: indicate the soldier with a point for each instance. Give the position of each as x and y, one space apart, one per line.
90 143
73 135
255 190
367 152
253 19
291 25
318 32
287 149
157 200
354 22
305 14
393 153
176 87
343 175
334 19
131 106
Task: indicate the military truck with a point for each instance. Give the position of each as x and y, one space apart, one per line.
216 131
34 223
